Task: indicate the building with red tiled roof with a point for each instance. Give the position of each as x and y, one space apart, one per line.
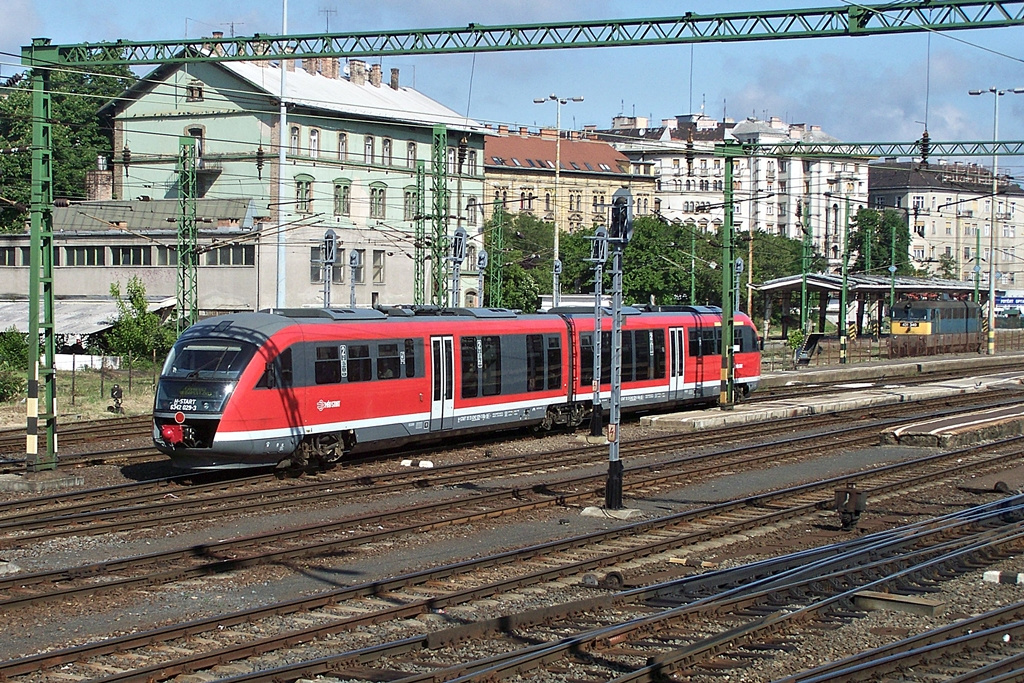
519 172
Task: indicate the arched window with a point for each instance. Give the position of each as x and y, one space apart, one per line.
378 201
293 146
303 193
410 155
314 143
368 149
342 197
386 151
342 146
471 208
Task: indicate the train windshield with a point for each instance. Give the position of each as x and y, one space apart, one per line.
208 359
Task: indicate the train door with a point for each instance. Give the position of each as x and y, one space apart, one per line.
442 368
677 365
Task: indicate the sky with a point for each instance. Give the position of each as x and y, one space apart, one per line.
864 89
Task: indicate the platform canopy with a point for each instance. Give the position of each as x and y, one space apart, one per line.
876 285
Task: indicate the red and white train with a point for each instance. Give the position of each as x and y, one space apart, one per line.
306 386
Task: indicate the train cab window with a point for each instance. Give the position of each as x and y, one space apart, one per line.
693 335
710 341
469 360
554 362
534 362
389 362
658 353
278 373
490 371
410 358
327 367
359 363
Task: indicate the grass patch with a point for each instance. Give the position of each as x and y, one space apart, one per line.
91 398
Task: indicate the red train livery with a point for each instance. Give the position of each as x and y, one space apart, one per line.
295 387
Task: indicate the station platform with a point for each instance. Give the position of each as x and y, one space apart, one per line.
861 385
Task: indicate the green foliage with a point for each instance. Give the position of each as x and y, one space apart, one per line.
12 382
795 340
947 268
874 233
136 331
14 349
527 256
78 135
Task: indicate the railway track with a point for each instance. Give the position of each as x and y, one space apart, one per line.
164 502
527 572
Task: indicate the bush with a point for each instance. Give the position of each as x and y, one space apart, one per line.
796 339
14 349
12 382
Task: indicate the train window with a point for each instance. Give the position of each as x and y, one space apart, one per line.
534 362
554 362
490 372
327 367
410 358
693 334
470 381
359 364
436 356
627 356
389 363
586 359
658 353
606 357
278 373
711 341
642 354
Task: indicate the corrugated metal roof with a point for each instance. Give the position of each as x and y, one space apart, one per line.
77 317
865 283
157 214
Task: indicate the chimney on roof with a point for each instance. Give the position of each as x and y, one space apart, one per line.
357 72
289 64
548 133
330 68
311 65
394 79
524 131
502 129
217 49
375 75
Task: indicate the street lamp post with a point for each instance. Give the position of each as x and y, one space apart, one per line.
993 218
556 268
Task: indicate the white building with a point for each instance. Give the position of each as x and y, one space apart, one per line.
771 193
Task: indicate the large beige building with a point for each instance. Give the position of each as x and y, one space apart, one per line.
519 174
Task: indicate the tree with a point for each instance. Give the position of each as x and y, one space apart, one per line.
527 256
875 230
136 331
14 348
78 134
947 268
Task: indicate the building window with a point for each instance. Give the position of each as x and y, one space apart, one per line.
378 266
471 211
342 146
471 157
547 201
451 161
410 154
410 200
368 149
8 256
197 133
386 151
166 256
194 91
293 145
234 255
85 256
304 194
358 273
314 143
316 266
377 201
131 256
342 197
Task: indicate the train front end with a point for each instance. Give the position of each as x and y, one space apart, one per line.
206 377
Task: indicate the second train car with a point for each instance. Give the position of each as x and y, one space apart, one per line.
307 386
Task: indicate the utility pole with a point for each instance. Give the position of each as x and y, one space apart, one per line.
727 393
619 233
354 261
329 249
188 290
481 267
496 257
844 337
803 212
599 254
457 257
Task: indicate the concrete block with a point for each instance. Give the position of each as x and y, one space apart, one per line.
911 604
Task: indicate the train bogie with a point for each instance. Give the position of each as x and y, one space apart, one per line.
304 387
